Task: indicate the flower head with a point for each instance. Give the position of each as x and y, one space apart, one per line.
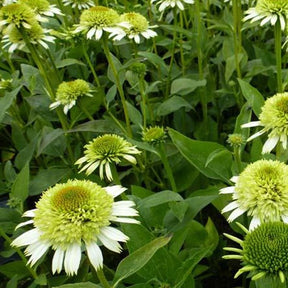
68 92
137 25
97 19
19 15
154 134
172 3
41 8
13 39
274 119
261 190
269 11
236 140
264 251
74 215
103 151
80 4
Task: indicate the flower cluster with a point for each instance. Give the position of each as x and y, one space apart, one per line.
72 216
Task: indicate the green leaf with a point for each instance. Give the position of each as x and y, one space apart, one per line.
135 261
98 126
156 60
253 96
184 86
14 268
67 62
159 198
7 101
21 185
79 285
134 114
213 237
199 152
172 104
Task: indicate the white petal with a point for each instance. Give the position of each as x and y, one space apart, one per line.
115 190
274 19
256 135
284 218
227 190
95 255
231 206
119 211
235 214
98 33
282 22
36 250
125 220
108 172
283 139
234 179
91 32
109 243
91 167
72 259
27 238
29 213
114 234
251 124
81 160
130 158
57 261
124 204
24 224
254 223
54 105
270 144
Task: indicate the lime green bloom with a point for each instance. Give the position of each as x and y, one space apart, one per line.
274 119
103 151
236 140
72 216
269 11
261 190
68 92
154 134
263 252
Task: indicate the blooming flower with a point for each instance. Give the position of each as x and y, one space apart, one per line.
74 215
261 190
80 4
41 8
14 39
97 19
15 14
172 3
154 134
68 92
138 25
263 252
104 150
268 11
274 119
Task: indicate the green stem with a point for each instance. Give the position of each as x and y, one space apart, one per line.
181 44
21 255
278 41
118 84
90 65
143 98
237 157
102 279
167 167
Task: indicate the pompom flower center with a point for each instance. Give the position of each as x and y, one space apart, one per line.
38 6
138 22
275 6
72 212
266 247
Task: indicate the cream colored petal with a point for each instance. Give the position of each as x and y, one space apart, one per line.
114 234
72 259
57 261
95 255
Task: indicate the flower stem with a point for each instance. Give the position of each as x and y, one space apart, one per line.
167 167
19 252
278 41
102 278
118 84
144 102
181 44
237 157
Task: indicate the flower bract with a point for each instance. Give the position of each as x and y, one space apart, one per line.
73 216
105 150
263 252
261 190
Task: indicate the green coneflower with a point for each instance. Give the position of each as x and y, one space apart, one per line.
68 92
72 216
274 119
103 151
19 15
261 190
95 20
263 252
172 3
236 140
138 25
41 8
13 39
154 134
80 4
268 11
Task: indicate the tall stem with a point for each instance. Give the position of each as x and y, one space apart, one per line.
278 41
102 279
118 84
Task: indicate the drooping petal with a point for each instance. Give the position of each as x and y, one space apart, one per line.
235 214
24 224
231 206
36 250
115 190
270 144
109 243
27 238
72 259
95 255
114 234
227 190
57 261
255 221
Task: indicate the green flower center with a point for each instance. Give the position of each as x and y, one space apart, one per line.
138 22
17 14
72 212
262 189
68 91
274 114
39 6
266 247
153 134
272 6
35 33
99 16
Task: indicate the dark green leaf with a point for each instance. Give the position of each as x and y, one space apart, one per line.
21 184
184 86
79 285
172 104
